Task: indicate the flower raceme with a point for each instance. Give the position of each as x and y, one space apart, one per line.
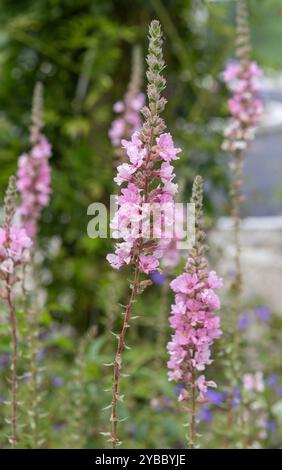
129 110
148 180
129 120
14 243
195 325
245 107
241 77
34 183
14 252
34 174
193 320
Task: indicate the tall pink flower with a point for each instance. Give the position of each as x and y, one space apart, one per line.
34 173
245 106
141 177
14 252
146 179
194 320
129 110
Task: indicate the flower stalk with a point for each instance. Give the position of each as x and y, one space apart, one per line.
150 152
194 321
129 110
14 245
245 108
34 184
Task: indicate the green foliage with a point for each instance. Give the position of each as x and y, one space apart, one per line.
80 50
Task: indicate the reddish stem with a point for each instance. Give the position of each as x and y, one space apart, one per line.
193 411
118 358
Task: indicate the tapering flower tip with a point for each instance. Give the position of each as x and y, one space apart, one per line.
10 200
243 33
37 112
197 198
156 84
245 105
197 189
137 69
197 252
156 64
128 120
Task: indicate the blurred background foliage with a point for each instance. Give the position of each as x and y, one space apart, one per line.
81 52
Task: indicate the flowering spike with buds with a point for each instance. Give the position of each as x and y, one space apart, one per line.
14 246
34 171
129 119
245 108
193 319
148 180
34 186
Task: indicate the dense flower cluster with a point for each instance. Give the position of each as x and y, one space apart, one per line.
129 120
195 324
14 241
34 174
13 244
147 177
241 77
245 106
147 167
34 183
129 110
14 252
193 315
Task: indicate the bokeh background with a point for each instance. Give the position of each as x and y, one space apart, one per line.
81 52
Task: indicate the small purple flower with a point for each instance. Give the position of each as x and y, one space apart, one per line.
215 397
132 430
57 382
205 415
58 427
4 359
44 335
278 390
41 355
236 397
271 380
2 399
262 313
244 320
157 278
178 389
271 426
167 401
231 274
